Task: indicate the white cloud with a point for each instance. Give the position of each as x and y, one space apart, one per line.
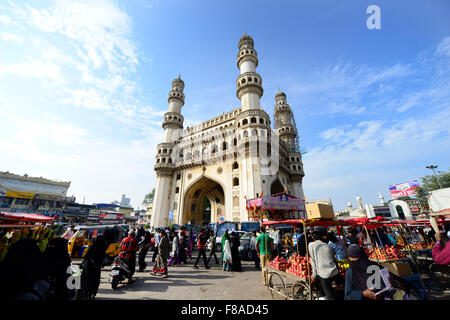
7 36
443 47
34 69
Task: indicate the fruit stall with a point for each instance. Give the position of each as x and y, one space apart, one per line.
291 279
398 259
15 226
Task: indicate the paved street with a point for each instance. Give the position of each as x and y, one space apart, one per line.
186 283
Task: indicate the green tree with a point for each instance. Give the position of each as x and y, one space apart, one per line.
430 183
149 197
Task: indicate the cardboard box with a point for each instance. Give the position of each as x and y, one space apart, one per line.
399 268
319 210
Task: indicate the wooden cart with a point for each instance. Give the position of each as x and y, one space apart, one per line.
285 286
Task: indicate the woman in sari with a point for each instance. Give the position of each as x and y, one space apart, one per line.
226 253
92 268
160 266
223 245
191 240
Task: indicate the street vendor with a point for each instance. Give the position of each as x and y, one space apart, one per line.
324 266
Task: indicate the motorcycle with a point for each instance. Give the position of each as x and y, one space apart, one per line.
287 252
119 272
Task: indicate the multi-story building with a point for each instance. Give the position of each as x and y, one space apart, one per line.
229 158
24 192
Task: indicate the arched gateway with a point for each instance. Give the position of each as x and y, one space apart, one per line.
206 172
200 196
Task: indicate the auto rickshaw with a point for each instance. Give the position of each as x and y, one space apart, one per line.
85 235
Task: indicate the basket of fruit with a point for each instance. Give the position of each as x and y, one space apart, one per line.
389 253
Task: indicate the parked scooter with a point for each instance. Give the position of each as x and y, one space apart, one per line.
119 271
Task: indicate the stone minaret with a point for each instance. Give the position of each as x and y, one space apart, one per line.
164 167
249 83
287 131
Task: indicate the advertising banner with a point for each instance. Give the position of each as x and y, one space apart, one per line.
404 189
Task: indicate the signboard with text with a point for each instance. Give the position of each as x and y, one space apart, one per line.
404 189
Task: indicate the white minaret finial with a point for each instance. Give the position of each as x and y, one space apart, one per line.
360 204
249 83
380 196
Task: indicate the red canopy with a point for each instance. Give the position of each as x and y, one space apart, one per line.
25 216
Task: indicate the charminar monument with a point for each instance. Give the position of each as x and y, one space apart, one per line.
227 159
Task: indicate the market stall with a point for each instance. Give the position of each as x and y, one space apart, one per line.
15 226
291 279
276 207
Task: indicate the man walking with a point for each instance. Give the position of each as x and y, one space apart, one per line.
264 247
157 239
324 266
212 247
201 244
129 247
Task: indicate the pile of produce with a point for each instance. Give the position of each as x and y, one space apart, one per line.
300 266
40 234
280 263
393 253
343 265
418 246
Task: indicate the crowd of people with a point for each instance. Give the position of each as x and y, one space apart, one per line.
31 273
325 248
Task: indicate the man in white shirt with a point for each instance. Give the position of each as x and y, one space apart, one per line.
69 233
324 266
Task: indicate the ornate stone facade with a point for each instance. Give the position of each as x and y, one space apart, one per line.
229 158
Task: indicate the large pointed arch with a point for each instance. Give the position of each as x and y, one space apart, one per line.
193 204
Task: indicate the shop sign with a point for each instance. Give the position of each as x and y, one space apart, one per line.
22 195
49 197
404 189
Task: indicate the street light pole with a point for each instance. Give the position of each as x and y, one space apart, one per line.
432 168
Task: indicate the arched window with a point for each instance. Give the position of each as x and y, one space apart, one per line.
253 120
177 190
224 145
235 165
170 160
245 134
165 151
244 122
235 141
235 182
164 160
261 120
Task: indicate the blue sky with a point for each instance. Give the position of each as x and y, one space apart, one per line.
84 85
